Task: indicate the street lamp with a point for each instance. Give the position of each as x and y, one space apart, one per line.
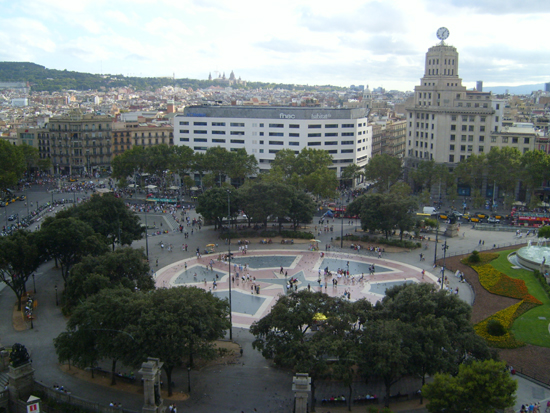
342 223
436 237
445 248
229 261
56 301
146 235
189 380
33 283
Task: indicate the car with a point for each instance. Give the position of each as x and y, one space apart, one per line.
12 217
493 220
474 219
466 216
21 198
457 214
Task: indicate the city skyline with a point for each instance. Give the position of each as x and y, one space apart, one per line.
382 44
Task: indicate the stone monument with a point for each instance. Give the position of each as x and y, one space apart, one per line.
150 371
301 385
21 373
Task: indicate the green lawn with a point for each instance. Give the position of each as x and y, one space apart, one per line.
528 327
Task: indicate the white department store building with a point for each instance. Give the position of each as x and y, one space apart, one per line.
264 131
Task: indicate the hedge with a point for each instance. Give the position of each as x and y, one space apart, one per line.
383 241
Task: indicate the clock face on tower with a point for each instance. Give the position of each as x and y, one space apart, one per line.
442 33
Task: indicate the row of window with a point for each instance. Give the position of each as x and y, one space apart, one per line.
272 125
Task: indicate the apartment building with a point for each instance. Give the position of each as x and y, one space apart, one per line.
264 131
126 135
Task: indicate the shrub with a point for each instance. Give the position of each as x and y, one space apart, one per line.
542 281
494 328
297 234
474 258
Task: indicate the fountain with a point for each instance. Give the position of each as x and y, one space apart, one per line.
534 257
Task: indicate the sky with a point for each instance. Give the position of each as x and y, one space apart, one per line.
314 42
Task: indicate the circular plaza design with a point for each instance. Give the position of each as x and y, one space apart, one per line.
252 299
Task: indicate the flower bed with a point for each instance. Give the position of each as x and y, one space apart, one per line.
499 283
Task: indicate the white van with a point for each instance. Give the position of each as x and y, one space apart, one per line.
429 210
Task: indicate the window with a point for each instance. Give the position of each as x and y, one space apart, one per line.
314 144
314 126
294 126
470 138
200 140
526 140
332 151
331 143
470 148
294 135
453 127
482 128
199 148
199 132
273 151
261 133
313 135
482 119
276 134
218 123
346 151
471 128
241 141
481 149
462 148
464 118
514 140
348 133
276 142
184 139
464 128
493 138
453 137
482 138
452 148
331 134
199 123
333 125
181 131
498 106
218 132
472 118
505 139
240 125
184 123
294 143
276 125
463 138
347 125
451 158
346 143
218 140
239 133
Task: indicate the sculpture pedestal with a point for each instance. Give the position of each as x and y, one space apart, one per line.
301 385
451 231
150 371
21 381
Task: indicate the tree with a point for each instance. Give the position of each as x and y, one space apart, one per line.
262 200
177 324
384 170
472 170
110 217
479 387
544 232
536 170
241 166
287 334
302 208
212 205
129 162
96 330
123 268
19 258
12 164
68 240
504 167
351 173
31 156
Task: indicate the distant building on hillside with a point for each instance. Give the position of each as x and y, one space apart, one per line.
22 87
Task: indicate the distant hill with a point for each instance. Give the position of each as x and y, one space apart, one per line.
514 90
43 79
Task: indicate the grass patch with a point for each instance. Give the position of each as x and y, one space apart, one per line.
528 327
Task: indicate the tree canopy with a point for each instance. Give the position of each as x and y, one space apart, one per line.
12 164
384 171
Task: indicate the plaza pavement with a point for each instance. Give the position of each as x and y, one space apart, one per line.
252 383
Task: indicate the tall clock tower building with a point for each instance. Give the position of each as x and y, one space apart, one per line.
445 122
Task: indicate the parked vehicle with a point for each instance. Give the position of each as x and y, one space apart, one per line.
493 220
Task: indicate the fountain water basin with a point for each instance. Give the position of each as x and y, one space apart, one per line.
533 256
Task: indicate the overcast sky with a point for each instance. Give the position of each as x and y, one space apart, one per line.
316 42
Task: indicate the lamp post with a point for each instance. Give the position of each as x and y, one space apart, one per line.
189 379
436 238
56 301
229 261
342 223
88 159
33 283
146 235
445 248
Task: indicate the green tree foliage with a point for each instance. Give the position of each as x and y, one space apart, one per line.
179 324
472 170
19 258
544 232
384 170
12 164
262 200
96 330
129 162
109 216
535 169
428 173
68 240
212 204
124 268
504 167
302 208
479 387
384 212
351 173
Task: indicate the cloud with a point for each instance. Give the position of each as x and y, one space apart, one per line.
373 17
382 44
288 46
167 28
25 37
135 56
502 6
